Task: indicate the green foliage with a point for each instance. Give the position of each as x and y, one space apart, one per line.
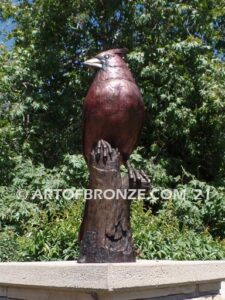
202 207
176 53
45 235
8 246
160 237
39 228
52 237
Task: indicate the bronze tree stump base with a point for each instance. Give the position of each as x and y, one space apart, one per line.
105 233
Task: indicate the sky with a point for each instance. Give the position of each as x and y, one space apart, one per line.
6 27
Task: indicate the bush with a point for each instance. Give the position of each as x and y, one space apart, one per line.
160 237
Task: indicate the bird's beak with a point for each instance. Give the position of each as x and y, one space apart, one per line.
93 62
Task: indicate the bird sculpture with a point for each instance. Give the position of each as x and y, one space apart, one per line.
113 110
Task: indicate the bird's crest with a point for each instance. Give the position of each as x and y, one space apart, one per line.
120 51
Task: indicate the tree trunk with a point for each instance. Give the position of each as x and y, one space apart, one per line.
105 233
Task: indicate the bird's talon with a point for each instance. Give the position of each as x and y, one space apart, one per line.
145 176
137 179
103 150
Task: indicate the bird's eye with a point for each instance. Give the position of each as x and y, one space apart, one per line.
106 56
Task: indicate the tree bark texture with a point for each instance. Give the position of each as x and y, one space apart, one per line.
105 233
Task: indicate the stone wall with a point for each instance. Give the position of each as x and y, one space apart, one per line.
144 280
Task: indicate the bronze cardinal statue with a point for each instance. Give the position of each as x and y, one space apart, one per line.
113 109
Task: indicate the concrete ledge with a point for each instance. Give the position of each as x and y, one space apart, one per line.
141 280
